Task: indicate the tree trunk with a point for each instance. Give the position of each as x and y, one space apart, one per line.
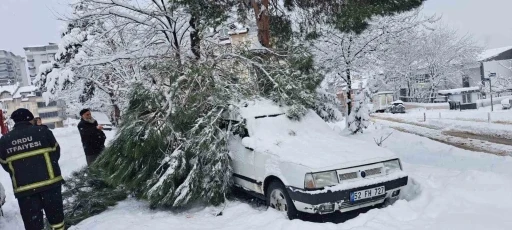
117 114
195 41
262 20
349 90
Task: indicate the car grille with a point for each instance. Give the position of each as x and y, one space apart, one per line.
354 175
348 176
371 172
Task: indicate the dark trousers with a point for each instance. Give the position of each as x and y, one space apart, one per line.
31 208
91 159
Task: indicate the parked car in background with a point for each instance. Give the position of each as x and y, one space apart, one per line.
396 107
103 120
381 101
505 103
303 165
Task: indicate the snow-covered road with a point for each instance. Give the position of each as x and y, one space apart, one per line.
450 188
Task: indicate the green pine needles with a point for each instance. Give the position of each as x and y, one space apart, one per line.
86 194
170 148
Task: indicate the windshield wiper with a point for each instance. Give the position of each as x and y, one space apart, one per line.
272 115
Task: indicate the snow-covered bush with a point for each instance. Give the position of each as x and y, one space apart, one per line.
359 118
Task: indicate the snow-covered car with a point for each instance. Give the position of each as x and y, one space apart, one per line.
505 103
304 166
102 120
396 107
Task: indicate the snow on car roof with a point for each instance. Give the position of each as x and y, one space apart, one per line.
397 102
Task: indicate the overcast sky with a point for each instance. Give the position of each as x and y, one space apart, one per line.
488 20
34 22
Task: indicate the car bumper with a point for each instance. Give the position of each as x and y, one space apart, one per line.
331 201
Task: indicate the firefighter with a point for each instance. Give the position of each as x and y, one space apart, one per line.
30 154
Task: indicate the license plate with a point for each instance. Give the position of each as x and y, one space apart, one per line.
367 193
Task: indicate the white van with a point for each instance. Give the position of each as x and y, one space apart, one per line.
505 103
102 120
304 166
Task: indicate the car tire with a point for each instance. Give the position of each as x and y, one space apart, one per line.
277 198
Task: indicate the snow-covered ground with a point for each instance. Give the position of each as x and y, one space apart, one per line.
450 188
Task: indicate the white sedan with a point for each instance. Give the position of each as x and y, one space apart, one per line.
304 166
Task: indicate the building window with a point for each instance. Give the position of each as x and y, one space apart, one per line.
39 94
422 78
43 104
49 114
224 34
466 98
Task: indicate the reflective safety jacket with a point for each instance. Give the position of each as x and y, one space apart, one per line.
30 154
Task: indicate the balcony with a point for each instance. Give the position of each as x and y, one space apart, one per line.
31 67
30 60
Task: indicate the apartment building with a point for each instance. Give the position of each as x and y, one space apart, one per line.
37 55
14 97
12 69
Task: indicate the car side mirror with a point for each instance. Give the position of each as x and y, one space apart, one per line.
248 143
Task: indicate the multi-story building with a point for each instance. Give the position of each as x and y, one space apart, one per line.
12 69
37 55
14 97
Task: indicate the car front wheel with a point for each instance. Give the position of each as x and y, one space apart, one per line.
278 199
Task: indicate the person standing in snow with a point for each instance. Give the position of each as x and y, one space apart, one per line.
93 137
30 154
39 122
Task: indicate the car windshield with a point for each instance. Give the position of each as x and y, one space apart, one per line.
280 125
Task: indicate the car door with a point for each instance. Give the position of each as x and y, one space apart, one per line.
242 158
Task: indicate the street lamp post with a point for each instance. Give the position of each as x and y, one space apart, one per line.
490 89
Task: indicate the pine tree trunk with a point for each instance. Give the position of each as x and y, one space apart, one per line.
117 114
349 90
195 41
262 20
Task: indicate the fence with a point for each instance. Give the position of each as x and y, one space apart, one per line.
478 116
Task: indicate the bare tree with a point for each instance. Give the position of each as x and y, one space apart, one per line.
346 56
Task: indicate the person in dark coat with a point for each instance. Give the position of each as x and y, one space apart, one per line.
39 122
30 155
93 137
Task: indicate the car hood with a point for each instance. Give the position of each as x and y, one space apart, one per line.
324 153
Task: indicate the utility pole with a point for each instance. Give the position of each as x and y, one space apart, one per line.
490 89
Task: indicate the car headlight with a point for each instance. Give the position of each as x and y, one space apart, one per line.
392 166
320 180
